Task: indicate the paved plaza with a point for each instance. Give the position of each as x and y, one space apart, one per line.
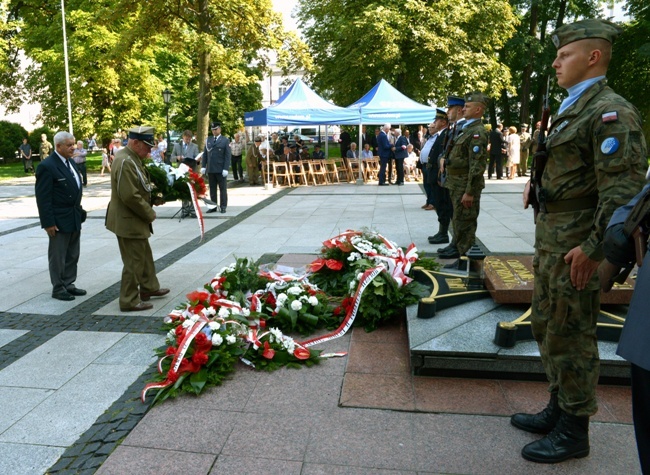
71 372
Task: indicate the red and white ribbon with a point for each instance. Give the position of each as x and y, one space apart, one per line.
197 210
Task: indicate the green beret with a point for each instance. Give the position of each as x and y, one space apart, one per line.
585 29
477 97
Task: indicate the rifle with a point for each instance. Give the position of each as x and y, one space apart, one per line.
540 157
446 148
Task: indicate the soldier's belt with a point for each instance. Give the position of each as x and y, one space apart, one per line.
566 206
457 171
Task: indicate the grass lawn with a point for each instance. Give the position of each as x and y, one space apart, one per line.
16 170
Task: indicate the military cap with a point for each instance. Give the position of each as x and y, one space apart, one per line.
477 96
524 125
142 133
258 139
215 125
455 101
441 114
585 29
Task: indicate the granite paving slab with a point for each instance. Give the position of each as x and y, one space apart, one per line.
144 461
61 418
20 459
253 464
16 402
57 361
7 335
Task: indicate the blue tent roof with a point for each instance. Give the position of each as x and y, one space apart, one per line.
299 105
383 103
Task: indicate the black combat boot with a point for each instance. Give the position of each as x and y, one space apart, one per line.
540 423
446 249
441 237
569 439
449 253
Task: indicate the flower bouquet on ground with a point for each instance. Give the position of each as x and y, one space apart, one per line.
347 258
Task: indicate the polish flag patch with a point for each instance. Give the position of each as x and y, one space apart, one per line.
610 116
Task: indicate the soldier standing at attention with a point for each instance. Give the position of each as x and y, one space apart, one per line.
524 148
596 162
466 164
217 162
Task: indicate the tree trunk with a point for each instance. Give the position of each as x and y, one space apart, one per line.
528 70
205 77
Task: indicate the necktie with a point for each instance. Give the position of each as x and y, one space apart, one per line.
67 162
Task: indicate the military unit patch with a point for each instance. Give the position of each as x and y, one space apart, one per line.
610 116
609 145
476 136
476 149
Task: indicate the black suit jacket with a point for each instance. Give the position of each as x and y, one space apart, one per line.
433 163
496 139
57 195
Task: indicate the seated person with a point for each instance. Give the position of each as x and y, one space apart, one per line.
318 154
366 153
304 154
352 152
410 162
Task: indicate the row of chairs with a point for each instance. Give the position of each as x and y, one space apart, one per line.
322 172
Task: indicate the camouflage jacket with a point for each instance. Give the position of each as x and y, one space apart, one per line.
595 149
469 153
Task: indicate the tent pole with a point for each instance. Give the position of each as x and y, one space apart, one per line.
359 148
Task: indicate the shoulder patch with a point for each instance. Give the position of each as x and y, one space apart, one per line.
476 149
476 136
610 116
609 145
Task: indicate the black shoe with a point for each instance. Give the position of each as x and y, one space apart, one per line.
63 295
569 439
443 250
76 291
452 254
401 183
223 209
211 210
383 184
439 238
541 423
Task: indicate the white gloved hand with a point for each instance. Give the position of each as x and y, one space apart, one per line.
225 173
203 171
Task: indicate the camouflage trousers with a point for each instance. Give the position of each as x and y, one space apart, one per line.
564 325
464 220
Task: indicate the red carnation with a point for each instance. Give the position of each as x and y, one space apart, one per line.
172 376
197 296
179 330
199 358
337 311
301 353
213 300
171 350
268 352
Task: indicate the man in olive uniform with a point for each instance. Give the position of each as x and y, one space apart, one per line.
466 164
524 148
596 163
44 148
253 158
129 216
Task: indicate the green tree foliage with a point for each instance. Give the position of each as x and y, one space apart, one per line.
122 54
629 71
11 137
426 49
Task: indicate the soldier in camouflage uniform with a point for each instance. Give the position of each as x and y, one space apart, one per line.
525 140
466 164
596 155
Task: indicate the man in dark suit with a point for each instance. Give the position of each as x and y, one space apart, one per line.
58 196
440 194
399 150
345 141
633 343
217 162
496 139
383 145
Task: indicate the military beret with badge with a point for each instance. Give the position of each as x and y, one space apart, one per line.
583 30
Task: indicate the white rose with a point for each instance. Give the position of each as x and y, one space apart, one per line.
217 339
281 298
296 305
230 339
223 312
359 275
167 319
313 301
214 326
353 284
210 311
245 312
294 291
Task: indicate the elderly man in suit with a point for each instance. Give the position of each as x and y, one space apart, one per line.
399 149
186 151
130 216
217 162
58 197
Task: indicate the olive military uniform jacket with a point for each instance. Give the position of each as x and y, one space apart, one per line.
467 160
129 213
596 152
